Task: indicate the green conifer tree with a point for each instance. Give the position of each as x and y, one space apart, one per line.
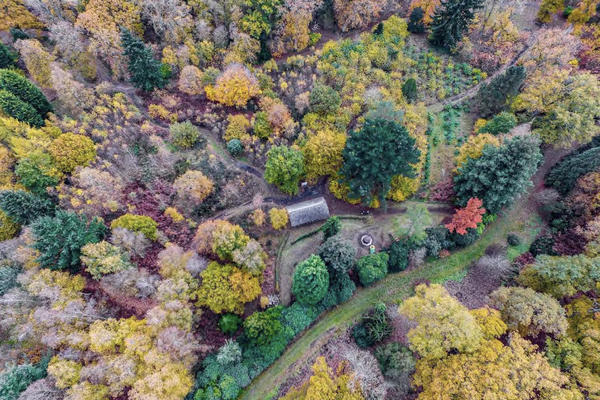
451 20
143 69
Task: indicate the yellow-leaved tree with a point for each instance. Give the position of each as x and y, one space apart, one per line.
325 385
234 87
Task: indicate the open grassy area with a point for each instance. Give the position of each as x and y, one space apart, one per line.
393 289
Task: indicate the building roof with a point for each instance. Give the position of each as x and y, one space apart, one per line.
308 211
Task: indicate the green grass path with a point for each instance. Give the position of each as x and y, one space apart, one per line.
392 289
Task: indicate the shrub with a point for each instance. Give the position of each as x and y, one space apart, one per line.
190 80
235 147
373 328
564 175
103 258
341 288
398 255
59 239
324 100
311 280
137 223
33 178
501 123
184 134
23 207
279 217
69 151
16 379
513 240
8 58
262 127
8 227
229 323
372 268
14 107
338 255
542 245
26 91
415 21
262 327
409 90
193 187
395 361
237 127
8 276
331 227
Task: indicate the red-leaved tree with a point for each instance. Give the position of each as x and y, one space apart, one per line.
467 217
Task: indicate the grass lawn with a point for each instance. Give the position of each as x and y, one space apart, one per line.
393 289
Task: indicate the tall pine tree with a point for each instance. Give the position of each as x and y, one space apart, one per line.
143 69
493 97
451 20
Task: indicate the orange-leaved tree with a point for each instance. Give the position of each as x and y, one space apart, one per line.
467 217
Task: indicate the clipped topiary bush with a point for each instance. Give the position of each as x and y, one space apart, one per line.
235 147
372 268
311 281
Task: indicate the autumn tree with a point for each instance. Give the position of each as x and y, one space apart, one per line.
323 153
324 384
451 20
529 312
69 151
443 324
234 87
102 19
512 372
427 7
548 8
500 174
562 276
225 288
284 168
473 148
279 218
190 80
566 106
374 155
353 14
192 188
468 217
37 60
144 70
495 96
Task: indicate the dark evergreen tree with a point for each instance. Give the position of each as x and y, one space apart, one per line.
492 98
24 207
409 90
144 70
564 175
8 58
59 239
378 30
415 21
500 174
451 20
14 107
26 91
331 227
381 150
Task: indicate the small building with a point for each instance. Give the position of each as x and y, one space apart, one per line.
308 211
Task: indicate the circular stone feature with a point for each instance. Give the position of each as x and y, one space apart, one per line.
366 240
